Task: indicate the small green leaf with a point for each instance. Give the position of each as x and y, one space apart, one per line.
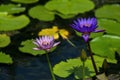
110 26
41 13
11 8
66 68
4 58
4 40
27 47
109 11
9 22
106 46
70 6
25 1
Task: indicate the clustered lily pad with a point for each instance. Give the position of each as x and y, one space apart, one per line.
74 66
106 45
63 8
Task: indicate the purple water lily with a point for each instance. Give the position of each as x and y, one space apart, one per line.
45 43
85 26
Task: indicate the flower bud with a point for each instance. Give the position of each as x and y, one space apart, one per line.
83 55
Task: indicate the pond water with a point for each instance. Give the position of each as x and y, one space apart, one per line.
28 67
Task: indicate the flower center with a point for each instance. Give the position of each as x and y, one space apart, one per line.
87 25
45 43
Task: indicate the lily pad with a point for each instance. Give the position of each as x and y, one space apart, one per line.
110 26
4 58
109 11
66 16
4 40
74 66
70 6
105 46
25 1
27 47
41 13
9 22
11 8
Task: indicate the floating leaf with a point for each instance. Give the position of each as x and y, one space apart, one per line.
11 8
4 40
70 6
65 68
9 22
41 13
110 26
66 16
106 46
4 58
109 11
25 1
27 47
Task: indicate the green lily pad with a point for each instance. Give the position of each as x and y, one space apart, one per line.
4 40
41 13
67 16
66 68
9 22
106 45
11 8
70 6
27 47
25 1
111 26
109 11
4 58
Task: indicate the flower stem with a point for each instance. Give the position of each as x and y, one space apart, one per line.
71 43
50 66
92 58
83 70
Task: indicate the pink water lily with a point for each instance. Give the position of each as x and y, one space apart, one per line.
45 43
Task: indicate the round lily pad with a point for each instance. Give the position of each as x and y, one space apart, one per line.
4 58
41 13
11 8
74 66
9 22
109 11
25 1
4 40
110 26
105 46
70 6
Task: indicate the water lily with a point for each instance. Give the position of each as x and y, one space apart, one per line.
45 43
85 26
